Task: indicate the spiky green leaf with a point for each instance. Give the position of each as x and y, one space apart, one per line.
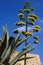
20 55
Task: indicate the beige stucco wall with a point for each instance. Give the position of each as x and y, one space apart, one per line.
32 61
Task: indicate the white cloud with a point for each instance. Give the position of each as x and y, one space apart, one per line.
24 28
21 29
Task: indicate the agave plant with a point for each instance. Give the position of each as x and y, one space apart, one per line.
8 46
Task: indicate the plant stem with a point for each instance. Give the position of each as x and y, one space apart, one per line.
26 40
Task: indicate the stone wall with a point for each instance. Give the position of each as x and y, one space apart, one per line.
33 61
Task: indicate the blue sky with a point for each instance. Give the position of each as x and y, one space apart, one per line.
9 15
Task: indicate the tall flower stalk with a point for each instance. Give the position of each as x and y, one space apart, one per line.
27 19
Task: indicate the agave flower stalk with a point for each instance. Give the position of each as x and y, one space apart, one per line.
29 19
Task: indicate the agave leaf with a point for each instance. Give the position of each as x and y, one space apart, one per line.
20 55
17 38
4 34
2 47
1 64
11 40
22 41
25 58
18 44
8 52
6 56
0 39
28 46
5 40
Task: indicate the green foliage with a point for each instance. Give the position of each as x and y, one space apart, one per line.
10 44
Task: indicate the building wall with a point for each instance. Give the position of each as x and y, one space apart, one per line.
33 61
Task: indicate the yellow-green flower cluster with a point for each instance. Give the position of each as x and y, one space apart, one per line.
27 33
36 37
33 15
20 23
36 42
31 23
27 3
21 15
15 31
36 28
27 10
31 18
